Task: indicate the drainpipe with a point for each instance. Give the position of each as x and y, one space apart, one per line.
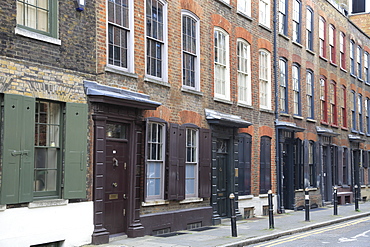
277 142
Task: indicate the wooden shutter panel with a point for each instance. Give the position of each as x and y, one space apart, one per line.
176 163
340 165
181 145
205 145
18 149
365 162
306 167
265 165
75 151
241 165
172 164
28 147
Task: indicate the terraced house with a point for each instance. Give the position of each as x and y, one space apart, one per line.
142 117
47 49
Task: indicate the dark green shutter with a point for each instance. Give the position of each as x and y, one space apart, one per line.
75 151
18 149
28 148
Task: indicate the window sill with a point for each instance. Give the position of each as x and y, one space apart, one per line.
265 27
245 105
48 203
354 131
191 91
244 15
225 3
266 110
361 133
367 83
360 79
368 134
158 82
284 36
284 114
297 44
353 75
311 120
311 52
334 64
323 58
37 36
344 70
154 203
324 123
191 200
245 197
121 71
334 126
223 101
298 117
344 128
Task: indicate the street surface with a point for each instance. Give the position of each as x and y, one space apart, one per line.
352 233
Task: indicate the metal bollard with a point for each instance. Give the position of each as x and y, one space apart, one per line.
335 201
271 210
233 216
307 205
356 198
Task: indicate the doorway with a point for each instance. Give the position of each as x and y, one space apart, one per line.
116 183
222 177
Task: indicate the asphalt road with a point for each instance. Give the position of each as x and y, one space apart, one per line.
352 233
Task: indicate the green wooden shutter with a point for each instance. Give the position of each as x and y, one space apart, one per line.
75 151
28 147
18 149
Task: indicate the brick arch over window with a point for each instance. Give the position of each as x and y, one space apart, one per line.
192 6
249 130
220 21
265 44
161 112
190 117
242 33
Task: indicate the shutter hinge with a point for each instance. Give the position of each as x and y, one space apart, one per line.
125 165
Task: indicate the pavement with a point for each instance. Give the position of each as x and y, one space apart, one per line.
249 231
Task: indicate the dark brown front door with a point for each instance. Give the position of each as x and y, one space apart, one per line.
116 186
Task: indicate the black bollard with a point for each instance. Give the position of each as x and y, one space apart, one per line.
233 216
271 210
335 201
307 205
356 198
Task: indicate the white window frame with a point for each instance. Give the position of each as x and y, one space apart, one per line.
296 89
244 72
282 17
196 54
352 57
359 62
130 39
283 85
309 29
244 6
160 160
264 12
366 66
332 43
193 160
342 49
221 66
322 23
265 79
296 21
310 93
164 54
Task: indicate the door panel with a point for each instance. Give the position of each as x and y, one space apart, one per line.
222 184
116 186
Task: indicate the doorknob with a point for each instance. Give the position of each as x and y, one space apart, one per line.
115 162
114 185
124 196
